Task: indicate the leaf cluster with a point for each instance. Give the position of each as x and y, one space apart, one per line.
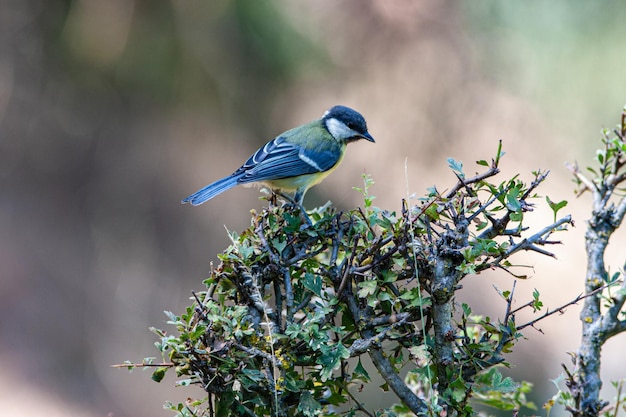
299 299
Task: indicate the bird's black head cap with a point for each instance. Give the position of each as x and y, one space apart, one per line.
351 118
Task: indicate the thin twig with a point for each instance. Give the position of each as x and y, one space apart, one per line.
559 309
463 183
509 302
589 185
359 406
144 365
527 243
346 277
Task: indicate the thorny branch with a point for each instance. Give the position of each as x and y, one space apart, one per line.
559 309
337 285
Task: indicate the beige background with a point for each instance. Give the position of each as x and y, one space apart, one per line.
111 112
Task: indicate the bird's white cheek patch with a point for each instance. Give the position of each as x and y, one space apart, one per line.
310 161
338 129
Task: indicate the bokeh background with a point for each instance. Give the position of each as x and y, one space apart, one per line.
112 111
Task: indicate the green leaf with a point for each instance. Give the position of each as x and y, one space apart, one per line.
537 303
556 206
171 316
517 216
331 359
483 163
278 245
499 154
620 292
420 353
360 373
457 389
467 310
502 385
159 373
184 382
432 212
512 200
385 296
367 288
456 166
614 277
313 283
245 250
293 330
308 405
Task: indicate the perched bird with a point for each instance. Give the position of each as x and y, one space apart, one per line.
298 159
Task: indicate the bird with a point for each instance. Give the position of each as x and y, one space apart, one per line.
297 159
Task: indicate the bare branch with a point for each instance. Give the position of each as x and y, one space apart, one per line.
537 181
589 185
361 346
144 365
561 308
252 351
359 405
385 368
387 371
536 239
463 183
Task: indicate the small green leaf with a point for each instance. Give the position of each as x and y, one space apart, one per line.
432 212
313 283
360 373
278 245
308 405
537 303
499 291
502 385
172 317
467 310
184 382
456 166
614 277
499 154
331 359
512 200
556 206
159 374
367 288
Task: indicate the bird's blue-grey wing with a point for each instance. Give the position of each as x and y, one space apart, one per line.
280 159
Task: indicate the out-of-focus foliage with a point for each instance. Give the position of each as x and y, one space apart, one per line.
236 55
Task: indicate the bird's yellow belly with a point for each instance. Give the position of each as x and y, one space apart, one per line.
301 181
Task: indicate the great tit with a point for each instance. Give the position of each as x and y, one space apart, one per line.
298 159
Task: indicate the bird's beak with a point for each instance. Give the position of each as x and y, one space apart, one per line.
368 137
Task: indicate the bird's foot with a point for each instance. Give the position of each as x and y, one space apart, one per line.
290 202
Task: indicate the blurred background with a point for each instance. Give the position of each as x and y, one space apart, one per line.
112 111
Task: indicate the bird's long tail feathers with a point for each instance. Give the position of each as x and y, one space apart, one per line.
211 190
